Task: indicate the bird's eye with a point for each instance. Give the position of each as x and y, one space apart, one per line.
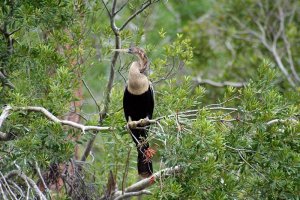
130 50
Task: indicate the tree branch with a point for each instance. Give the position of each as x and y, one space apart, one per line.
274 121
5 81
121 8
52 118
131 194
91 94
4 114
144 6
137 188
201 81
26 179
149 181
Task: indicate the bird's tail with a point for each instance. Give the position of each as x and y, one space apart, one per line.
144 162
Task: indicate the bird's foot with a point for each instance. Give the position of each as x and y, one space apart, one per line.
132 124
144 122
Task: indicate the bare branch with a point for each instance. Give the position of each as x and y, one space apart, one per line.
13 173
121 8
241 156
201 81
141 123
131 194
10 192
126 171
41 177
222 108
274 121
288 47
281 26
5 81
144 6
105 5
52 117
88 148
4 114
63 122
93 97
149 181
282 67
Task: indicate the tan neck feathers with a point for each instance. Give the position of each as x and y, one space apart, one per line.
143 60
138 82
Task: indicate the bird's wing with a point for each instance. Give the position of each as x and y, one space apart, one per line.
153 98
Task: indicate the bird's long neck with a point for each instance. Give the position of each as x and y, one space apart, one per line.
138 82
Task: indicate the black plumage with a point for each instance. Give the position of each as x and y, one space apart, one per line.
138 107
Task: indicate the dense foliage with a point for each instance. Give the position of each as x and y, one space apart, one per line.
230 142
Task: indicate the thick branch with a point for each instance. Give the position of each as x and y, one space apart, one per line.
149 181
93 97
274 121
121 8
138 188
52 118
63 122
281 66
141 123
131 194
4 114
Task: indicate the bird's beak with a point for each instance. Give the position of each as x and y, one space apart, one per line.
121 50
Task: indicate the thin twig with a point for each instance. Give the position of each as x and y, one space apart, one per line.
93 97
121 8
251 165
41 177
126 171
201 81
105 5
144 6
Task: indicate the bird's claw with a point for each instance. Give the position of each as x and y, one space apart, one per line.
144 122
132 124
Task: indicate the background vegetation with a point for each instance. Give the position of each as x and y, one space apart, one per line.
226 79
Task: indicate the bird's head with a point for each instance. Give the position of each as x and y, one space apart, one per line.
140 53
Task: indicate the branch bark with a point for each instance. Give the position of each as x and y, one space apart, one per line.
201 81
131 194
4 114
139 187
5 81
149 181
51 117
274 121
14 173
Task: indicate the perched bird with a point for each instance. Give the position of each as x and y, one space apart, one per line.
138 104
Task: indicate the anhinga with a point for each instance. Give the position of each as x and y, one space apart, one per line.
138 103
